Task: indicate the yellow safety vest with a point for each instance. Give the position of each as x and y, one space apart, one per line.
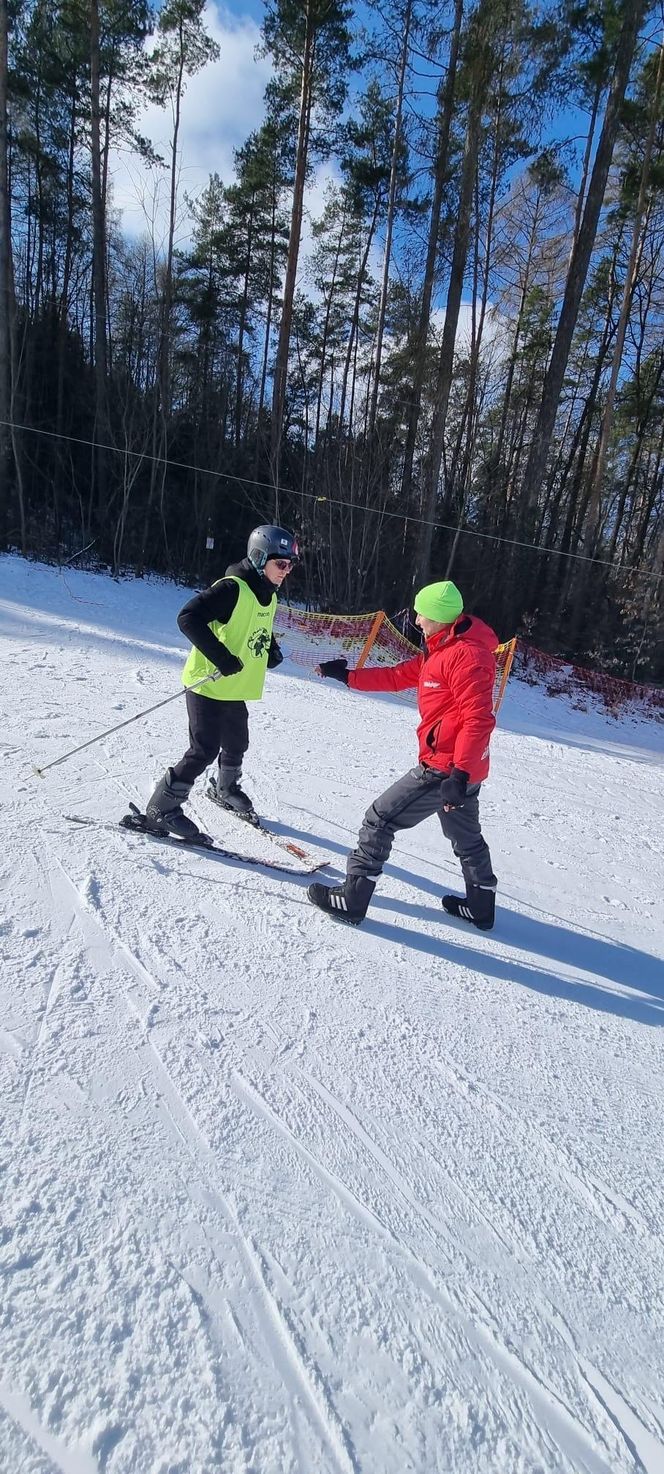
247 634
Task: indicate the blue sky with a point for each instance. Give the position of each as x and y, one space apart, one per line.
222 105
253 8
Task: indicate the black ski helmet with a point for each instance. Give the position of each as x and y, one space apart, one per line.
271 542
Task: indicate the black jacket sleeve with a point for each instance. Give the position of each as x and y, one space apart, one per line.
275 656
195 618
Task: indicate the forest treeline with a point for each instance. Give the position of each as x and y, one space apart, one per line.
461 375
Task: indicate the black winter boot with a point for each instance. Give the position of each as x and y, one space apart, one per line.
478 906
347 902
224 789
164 809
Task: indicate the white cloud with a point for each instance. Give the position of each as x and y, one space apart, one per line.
324 181
221 106
493 333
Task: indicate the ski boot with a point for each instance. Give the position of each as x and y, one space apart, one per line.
347 902
224 789
164 810
478 906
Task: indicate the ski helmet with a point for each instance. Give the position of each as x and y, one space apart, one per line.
271 542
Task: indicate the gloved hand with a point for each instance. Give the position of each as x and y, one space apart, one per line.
453 789
275 656
336 670
230 665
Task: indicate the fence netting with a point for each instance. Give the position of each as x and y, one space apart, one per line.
313 637
561 678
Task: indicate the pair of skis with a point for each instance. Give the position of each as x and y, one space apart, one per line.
137 822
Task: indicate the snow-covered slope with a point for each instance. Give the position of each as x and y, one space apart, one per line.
287 1198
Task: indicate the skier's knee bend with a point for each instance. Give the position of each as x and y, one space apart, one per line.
375 839
205 753
382 832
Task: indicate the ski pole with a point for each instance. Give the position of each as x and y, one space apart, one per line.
40 771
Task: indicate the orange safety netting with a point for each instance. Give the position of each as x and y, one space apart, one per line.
560 678
350 634
313 636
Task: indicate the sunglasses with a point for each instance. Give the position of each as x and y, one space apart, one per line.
283 564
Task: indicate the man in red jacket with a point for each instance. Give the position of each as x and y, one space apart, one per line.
454 677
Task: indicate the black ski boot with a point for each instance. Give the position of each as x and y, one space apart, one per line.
224 789
477 906
164 810
347 902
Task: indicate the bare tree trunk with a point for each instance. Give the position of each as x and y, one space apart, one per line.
244 308
105 150
499 511
471 411
625 308
587 155
654 585
10 373
64 450
629 478
162 389
389 229
5 279
633 12
268 322
98 260
446 359
326 330
281 365
165 336
352 335
446 108
648 501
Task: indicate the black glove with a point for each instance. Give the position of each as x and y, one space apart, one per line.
275 656
453 788
228 664
337 670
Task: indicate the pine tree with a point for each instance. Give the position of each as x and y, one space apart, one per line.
628 20
183 48
309 41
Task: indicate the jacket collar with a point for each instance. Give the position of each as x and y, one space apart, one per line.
258 583
450 632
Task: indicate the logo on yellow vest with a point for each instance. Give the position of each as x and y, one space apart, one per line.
259 643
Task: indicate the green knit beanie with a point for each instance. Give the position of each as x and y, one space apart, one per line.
439 601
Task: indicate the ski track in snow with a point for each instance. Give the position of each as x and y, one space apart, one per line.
280 1196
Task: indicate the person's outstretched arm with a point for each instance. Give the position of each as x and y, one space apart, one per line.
400 677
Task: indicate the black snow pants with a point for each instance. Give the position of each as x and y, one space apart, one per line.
217 729
411 799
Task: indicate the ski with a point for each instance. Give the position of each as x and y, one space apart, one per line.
136 823
256 822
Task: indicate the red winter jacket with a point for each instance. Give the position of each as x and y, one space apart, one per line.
454 677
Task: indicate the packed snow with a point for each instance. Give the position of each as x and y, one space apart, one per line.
286 1197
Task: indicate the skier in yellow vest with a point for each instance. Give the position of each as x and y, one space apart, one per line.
230 628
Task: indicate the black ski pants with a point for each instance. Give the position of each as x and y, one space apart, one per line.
411 799
217 729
